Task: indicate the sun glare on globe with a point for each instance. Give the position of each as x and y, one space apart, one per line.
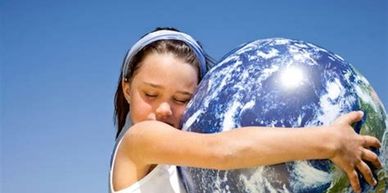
291 77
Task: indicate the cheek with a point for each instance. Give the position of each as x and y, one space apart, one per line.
179 112
139 110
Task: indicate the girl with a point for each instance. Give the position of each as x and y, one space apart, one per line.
159 75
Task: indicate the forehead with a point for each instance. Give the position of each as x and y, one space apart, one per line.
167 70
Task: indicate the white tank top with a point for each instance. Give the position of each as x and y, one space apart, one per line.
163 178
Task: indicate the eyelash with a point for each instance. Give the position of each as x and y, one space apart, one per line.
152 96
181 101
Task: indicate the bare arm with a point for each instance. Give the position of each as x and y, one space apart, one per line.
153 142
157 142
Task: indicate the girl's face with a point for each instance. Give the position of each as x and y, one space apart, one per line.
160 89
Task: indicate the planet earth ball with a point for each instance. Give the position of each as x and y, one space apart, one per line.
283 83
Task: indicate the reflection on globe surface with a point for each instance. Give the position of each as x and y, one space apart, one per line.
282 83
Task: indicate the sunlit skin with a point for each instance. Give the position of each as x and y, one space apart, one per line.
158 94
161 89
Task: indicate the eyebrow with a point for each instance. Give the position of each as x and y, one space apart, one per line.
159 87
152 84
186 93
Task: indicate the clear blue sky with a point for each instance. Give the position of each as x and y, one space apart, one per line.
60 63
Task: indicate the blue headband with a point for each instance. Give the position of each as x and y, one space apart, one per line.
166 35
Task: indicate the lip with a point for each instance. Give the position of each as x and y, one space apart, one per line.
172 125
168 123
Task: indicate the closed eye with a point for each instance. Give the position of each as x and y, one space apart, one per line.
150 95
182 101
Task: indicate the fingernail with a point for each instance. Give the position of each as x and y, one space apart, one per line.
374 183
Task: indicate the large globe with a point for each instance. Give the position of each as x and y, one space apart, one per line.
283 83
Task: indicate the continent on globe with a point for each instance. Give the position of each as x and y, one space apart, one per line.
283 83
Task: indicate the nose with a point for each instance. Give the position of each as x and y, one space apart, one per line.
163 112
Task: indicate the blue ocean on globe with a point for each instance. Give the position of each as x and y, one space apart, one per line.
280 82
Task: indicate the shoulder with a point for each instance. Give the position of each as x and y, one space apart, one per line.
145 129
144 134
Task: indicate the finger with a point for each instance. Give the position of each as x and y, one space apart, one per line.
354 182
351 117
367 173
370 141
370 156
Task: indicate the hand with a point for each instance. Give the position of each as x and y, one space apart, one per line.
352 150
